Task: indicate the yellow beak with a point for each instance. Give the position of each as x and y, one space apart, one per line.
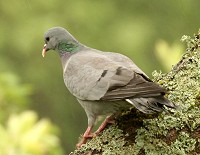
44 50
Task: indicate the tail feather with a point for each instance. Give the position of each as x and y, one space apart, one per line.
151 104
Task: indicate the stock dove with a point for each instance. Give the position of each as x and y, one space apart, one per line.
104 83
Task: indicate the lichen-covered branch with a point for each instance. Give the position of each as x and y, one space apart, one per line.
169 133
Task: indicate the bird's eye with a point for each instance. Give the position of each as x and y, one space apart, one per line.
47 38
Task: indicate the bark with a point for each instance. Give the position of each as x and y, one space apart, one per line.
169 133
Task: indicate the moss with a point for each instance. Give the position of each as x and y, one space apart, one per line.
110 142
171 132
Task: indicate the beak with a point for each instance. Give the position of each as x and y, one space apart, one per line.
44 50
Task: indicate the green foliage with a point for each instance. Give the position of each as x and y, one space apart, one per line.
168 55
21 133
13 94
25 135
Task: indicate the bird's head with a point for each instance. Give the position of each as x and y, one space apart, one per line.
60 40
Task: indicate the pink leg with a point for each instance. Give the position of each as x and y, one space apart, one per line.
108 120
88 134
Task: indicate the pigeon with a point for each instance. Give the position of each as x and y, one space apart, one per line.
104 83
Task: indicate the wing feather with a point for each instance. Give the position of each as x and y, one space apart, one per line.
137 87
95 75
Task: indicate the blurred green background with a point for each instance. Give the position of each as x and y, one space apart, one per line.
37 113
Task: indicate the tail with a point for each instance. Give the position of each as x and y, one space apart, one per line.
151 105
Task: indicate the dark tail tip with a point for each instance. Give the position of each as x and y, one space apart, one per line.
152 104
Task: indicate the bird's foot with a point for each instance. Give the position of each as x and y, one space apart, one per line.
87 135
83 141
90 135
108 120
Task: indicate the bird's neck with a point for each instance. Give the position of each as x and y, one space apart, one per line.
69 47
65 56
65 50
67 53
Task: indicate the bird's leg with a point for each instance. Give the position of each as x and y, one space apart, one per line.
108 120
88 134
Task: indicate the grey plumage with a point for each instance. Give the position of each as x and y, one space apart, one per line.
104 83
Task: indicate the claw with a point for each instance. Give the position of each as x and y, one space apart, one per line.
88 133
83 141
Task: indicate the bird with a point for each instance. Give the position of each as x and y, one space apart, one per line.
104 83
